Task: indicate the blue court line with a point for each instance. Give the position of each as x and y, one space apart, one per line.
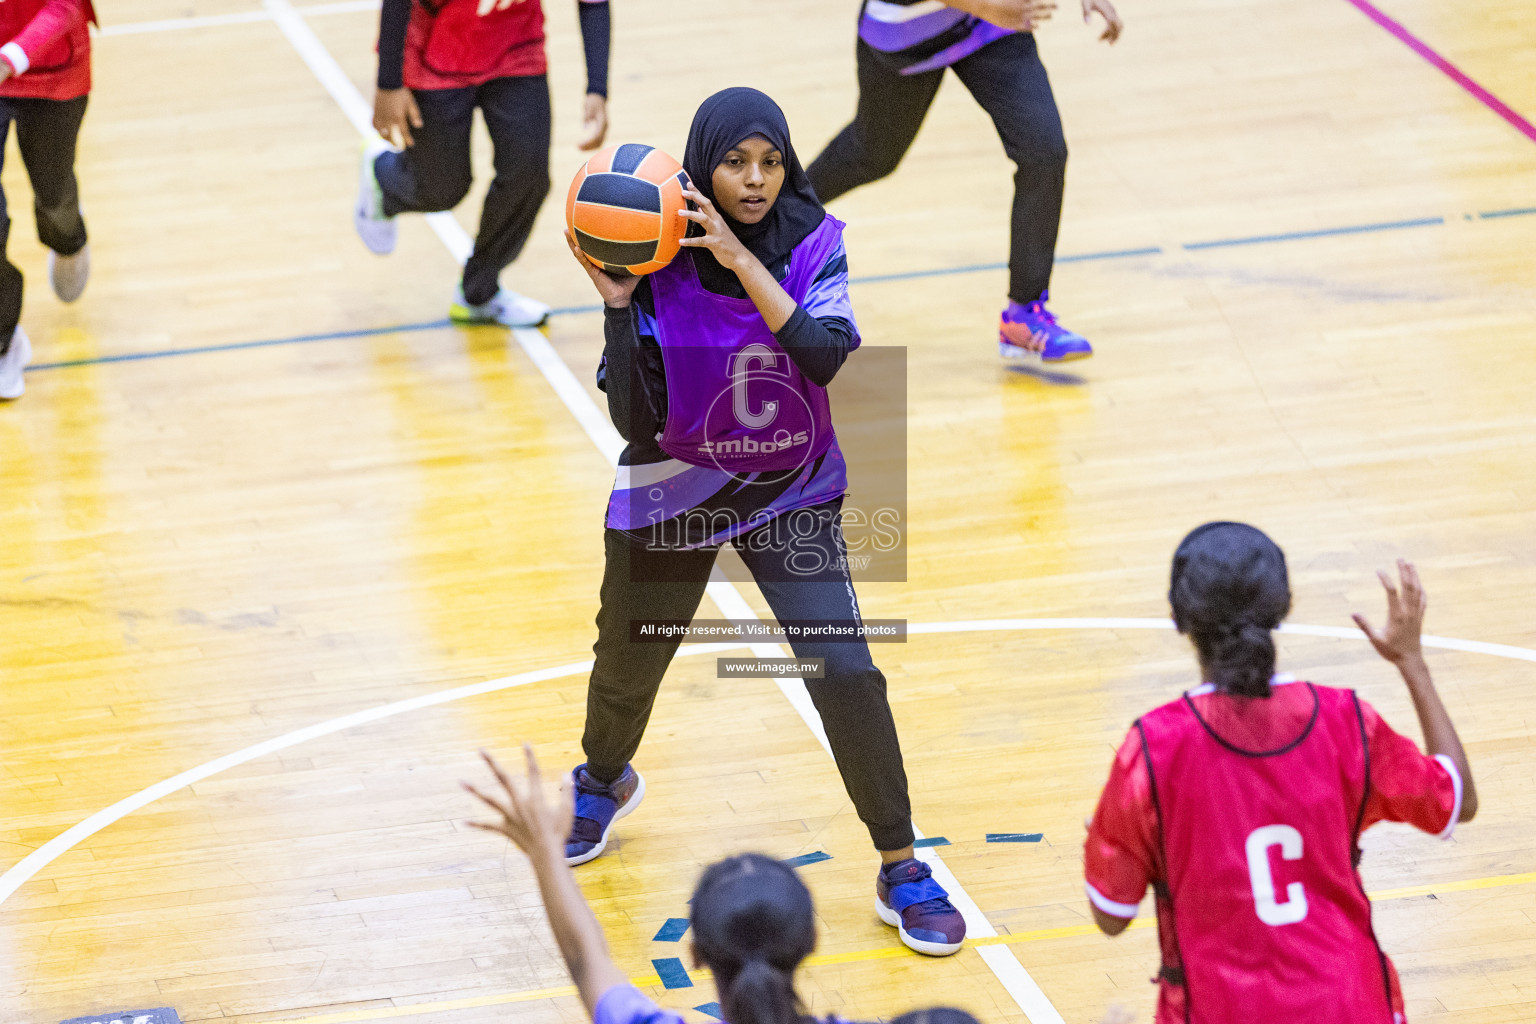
1523 211
973 268
808 858
713 1009
672 973
301 339
931 841
911 275
1015 837
1112 255
674 929
1291 236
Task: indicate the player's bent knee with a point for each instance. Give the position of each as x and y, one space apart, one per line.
441 196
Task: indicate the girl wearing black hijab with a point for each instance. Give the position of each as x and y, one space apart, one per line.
716 369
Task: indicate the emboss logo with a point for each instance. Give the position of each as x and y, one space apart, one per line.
747 446
761 393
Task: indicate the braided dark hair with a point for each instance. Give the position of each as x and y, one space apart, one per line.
753 922
1230 590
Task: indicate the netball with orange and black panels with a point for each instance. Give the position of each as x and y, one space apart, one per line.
625 209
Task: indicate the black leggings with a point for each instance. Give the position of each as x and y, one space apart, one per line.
434 174
1010 83
46 131
651 585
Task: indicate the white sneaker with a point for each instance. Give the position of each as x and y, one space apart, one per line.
376 230
68 274
12 385
507 308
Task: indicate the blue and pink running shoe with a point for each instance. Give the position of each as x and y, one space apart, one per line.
598 806
1030 330
909 900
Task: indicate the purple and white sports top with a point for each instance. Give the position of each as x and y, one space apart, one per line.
747 435
923 35
735 400
625 1004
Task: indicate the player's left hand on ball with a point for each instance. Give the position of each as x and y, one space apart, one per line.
1112 23
594 121
718 237
524 813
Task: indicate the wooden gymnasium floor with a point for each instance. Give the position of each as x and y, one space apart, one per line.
347 504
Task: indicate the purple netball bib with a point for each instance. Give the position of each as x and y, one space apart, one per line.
735 400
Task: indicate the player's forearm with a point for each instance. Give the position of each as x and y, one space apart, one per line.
596 38
55 20
770 298
998 12
1439 731
577 933
394 20
980 8
1109 924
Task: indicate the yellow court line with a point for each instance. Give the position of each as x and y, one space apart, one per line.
853 956
1495 882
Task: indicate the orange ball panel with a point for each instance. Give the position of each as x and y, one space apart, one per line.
570 198
602 160
673 225
657 167
617 225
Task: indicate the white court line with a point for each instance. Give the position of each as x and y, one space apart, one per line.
1014 978
44 855
134 28
1008 969
1000 959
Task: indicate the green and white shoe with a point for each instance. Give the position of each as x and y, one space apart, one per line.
506 308
377 231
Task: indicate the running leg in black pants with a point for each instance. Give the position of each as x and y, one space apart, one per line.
46 132
517 113
434 174
804 582
1008 80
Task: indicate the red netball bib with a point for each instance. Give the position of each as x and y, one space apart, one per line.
471 38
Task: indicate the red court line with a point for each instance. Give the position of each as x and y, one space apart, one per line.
1450 70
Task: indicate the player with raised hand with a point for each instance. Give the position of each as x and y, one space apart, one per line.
45 81
751 916
438 61
1242 803
903 48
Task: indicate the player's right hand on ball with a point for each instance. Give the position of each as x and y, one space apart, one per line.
525 814
394 115
616 291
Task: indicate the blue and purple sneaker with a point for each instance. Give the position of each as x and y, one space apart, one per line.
1029 329
598 806
909 900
